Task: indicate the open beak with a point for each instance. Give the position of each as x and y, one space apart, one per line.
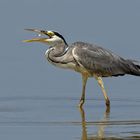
38 39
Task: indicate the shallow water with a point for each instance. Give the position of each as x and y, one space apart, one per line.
42 117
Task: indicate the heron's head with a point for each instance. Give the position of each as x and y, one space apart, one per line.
53 38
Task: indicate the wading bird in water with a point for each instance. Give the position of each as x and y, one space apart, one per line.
88 59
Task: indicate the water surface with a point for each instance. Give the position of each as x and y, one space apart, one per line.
42 117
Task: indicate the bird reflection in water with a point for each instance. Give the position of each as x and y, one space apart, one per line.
101 125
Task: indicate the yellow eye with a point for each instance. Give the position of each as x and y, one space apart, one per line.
50 33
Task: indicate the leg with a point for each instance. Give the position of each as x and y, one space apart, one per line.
100 82
84 81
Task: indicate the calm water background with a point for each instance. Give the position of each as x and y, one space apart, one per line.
39 101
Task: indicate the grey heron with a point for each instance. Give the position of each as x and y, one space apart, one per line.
88 59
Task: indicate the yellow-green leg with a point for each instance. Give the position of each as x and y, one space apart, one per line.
84 81
100 82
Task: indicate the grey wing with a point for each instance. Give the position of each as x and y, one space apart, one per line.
98 60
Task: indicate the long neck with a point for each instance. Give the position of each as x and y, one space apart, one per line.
55 53
58 50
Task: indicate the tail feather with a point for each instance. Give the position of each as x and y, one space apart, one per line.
133 67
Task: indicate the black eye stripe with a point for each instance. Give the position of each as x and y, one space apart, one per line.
59 35
56 33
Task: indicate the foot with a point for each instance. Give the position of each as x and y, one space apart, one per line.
81 103
107 103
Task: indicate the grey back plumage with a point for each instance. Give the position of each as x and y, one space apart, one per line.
101 61
133 67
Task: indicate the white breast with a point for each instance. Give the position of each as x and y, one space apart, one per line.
69 65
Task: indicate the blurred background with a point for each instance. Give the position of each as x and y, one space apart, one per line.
24 70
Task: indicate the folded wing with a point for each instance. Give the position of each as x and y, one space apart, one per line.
99 60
